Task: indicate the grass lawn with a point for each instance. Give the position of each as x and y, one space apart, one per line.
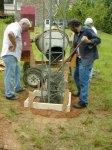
91 130
101 86
2 27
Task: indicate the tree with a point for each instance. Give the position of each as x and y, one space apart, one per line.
108 2
108 20
99 10
1 7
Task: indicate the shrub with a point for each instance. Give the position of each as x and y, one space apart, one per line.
9 19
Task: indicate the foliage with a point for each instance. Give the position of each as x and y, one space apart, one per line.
62 9
99 10
9 19
107 2
2 5
107 24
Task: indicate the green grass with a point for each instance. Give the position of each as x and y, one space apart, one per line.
2 27
92 130
81 133
101 85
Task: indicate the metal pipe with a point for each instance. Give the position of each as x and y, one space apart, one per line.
15 9
50 38
43 48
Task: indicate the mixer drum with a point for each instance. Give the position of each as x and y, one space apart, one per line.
59 41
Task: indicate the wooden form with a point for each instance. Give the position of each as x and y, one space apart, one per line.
65 106
46 106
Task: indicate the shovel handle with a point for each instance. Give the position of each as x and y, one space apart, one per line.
71 55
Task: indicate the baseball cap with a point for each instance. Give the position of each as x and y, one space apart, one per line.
88 21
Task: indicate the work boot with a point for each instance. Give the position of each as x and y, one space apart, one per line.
80 105
12 97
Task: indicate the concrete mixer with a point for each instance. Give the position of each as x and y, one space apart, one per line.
59 42
35 76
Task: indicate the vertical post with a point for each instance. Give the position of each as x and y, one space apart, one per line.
15 9
65 69
43 46
50 38
64 34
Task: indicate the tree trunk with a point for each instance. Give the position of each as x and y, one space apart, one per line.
1 7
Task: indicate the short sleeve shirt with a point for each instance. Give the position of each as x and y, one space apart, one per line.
16 29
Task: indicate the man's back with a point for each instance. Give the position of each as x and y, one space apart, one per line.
88 52
16 30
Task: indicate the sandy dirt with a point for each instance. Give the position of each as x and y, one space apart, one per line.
51 113
8 139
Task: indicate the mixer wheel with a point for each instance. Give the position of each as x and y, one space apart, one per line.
33 77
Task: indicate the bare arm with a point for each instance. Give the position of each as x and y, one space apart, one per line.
12 40
86 40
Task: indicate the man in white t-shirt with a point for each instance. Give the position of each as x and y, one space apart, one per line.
11 54
89 23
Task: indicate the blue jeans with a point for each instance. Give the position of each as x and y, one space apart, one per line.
12 75
81 76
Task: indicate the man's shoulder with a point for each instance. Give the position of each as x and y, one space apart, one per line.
13 26
88 30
